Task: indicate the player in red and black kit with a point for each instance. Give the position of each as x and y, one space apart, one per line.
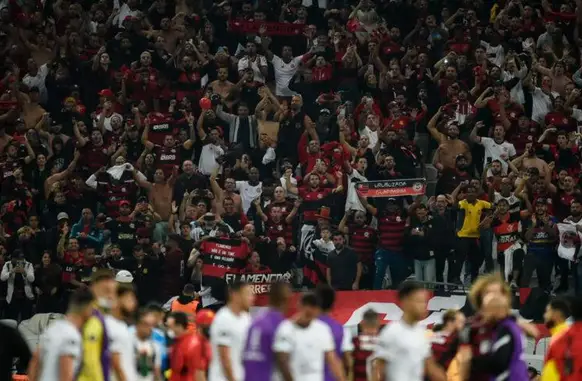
364 345
445 337
168 154
363 239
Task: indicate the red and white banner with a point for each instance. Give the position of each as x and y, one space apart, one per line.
392 188
350 306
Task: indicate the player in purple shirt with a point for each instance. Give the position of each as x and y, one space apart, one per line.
258 356
326 297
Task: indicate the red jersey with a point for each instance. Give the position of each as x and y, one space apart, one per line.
444 347
313 200
167 159
507 230
160 126
187 357
95 157
561 121
71 265
363 240
364 346
279 229
391 232
520 140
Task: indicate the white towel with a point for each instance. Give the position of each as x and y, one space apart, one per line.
508 256
116 172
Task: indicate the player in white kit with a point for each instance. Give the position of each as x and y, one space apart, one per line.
228 334
403 351
122 348
304 344
60 349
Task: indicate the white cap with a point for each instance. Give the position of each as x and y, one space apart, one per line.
124 276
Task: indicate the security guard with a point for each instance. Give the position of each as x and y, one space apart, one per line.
188 303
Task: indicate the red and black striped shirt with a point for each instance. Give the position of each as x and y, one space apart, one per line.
313 200
444 347
364 346
363 239
391 232
279 229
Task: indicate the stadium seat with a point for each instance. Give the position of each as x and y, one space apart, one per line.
542 346
535 361
9 322
530 346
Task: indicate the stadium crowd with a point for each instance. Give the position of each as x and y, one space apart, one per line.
180 143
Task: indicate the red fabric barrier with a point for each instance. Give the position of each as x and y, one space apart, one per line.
272 28
351 305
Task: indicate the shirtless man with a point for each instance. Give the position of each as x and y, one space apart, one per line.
529 159
450 146
222 86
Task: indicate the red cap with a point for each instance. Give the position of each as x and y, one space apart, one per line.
124 202
204 317
106 93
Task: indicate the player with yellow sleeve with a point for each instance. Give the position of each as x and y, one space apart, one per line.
96 357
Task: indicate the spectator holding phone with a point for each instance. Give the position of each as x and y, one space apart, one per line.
19 274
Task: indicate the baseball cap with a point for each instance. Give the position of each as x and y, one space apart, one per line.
124 202
124 276
204 317
62 216
391 199
143 199
105 93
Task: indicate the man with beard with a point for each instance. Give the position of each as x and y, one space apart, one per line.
189 180
556 316
529 160
293 121
541 236
567 194
123 229
496 148
242 128
450 178
450 146
277 223
506 226
505 193
95 153
168 154
363 239
285 67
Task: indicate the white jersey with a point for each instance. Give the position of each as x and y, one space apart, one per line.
306 348
148 357
228 330
122 342
61 338
404 348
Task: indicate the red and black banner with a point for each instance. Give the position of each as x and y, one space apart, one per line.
392 188
223 255
272 28
261 283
